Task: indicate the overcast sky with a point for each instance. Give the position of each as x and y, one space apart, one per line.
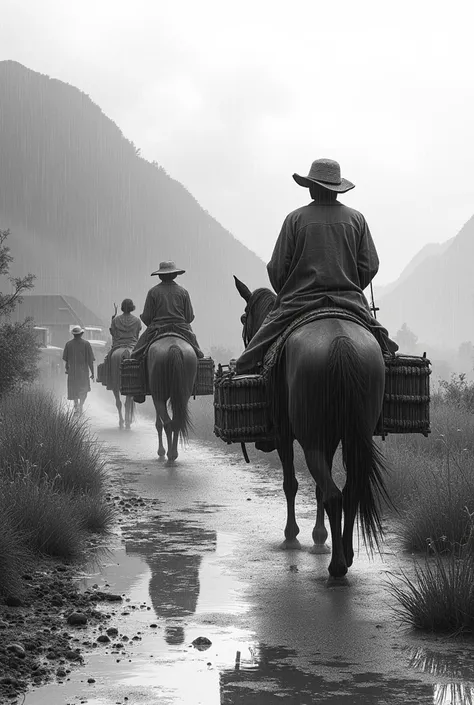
232 98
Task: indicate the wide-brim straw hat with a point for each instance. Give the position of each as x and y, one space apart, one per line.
326 173
168 268
77 330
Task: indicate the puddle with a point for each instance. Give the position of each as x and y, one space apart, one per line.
199 558
455 671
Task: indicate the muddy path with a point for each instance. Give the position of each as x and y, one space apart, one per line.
196 555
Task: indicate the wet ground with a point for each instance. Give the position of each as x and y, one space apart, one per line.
196 557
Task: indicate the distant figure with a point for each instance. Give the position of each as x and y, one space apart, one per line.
167 309
124 330
324 257
79 359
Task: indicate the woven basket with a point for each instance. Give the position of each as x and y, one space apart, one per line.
101 375
406 407
204 383
132 377
241 408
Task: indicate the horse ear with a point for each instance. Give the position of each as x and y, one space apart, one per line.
243 290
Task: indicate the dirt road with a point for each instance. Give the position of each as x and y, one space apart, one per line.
196 554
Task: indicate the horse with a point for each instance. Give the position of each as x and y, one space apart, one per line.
329 388
172 368
116 357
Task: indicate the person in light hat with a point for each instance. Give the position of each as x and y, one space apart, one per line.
167 309
324 257
79 358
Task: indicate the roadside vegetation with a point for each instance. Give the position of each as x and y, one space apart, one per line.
432 485
52 484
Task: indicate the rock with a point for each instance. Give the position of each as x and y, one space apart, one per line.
103 639
202 643
61 673
13 601
112 631
72 655
91 680
57 600
77 618
105 596
16 649
3 625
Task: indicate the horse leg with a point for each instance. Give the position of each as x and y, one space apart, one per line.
118 404
162 419
173 448
320 468
290 487
128 411
320 533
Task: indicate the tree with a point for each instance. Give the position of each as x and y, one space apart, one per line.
19 349
19 284
406 339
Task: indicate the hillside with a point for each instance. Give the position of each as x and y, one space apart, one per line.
436 299
92 219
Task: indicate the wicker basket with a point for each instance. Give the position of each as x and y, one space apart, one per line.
132 377
101 376
241 408
204 383
242 402
406 407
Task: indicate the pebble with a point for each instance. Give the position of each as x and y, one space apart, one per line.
103 639
91 680
112 631
77 618
16 649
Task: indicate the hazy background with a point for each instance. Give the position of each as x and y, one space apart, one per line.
232 98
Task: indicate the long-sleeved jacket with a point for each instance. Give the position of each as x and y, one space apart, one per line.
324 257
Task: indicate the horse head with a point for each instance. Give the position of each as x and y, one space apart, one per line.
259 304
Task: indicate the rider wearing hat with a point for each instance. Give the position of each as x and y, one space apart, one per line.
324 257
167 309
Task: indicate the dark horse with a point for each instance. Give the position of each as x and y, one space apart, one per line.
172 367
331 382
116 357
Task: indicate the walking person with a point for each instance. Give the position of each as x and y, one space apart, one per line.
79 359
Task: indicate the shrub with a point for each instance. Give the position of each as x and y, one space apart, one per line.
440 596
56 443
52 483
19 354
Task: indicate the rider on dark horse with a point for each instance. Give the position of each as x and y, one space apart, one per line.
324 258
167 309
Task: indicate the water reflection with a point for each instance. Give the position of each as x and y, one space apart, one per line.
274 674
173 550
458 671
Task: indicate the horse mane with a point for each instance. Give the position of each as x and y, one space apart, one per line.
258 306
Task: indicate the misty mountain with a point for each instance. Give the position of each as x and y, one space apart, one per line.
432 249
436 298
92 219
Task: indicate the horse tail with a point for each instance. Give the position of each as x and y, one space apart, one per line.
178 394
364 463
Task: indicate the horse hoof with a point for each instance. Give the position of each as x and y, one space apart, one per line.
127 426
161 453
290 545
333 582
319 549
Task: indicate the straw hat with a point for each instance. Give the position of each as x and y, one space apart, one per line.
77 330
326 173
168 268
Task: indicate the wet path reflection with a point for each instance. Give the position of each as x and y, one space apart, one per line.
197 556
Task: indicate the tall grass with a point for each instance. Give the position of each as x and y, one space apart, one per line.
433 485
52 483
